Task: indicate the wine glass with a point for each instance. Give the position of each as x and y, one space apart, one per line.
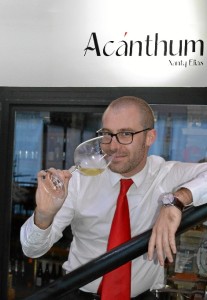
89 160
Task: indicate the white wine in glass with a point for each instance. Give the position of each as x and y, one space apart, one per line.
89 160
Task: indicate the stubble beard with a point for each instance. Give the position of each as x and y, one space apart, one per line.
132 164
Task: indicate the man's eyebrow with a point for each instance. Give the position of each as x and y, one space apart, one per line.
120 130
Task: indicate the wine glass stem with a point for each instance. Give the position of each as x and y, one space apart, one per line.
73 169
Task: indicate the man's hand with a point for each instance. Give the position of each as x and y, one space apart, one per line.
48 205
163 234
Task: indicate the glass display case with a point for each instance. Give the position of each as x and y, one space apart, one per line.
40 133
41 140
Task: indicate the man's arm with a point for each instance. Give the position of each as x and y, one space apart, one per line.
36 236
166 225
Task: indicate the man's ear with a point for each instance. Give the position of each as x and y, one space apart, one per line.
151 137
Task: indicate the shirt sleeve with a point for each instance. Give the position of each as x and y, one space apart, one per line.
192 176
35 241
198 188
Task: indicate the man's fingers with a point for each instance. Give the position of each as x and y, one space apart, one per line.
163 243
151 246
156 244
164 249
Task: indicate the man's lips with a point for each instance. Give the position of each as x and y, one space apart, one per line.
117 157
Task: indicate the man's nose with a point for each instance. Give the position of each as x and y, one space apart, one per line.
114 142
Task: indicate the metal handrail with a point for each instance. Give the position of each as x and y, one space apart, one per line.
112 259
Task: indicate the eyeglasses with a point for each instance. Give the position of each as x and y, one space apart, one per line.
123 137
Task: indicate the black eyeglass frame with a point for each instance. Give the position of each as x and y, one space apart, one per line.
116 135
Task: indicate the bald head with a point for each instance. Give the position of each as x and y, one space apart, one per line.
144 111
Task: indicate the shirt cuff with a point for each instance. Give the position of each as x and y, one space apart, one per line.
35 233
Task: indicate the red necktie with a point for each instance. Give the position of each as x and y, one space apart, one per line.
116 285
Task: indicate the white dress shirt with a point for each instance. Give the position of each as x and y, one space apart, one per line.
90 207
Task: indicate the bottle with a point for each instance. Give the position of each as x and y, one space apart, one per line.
46 275
39 276
50 151
58 152
16 274
60 271
53 275
30 278
11 290
22 275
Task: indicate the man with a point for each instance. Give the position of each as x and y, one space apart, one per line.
128 132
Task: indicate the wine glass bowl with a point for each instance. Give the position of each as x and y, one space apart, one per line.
89 160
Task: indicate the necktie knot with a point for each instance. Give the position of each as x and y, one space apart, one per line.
125 185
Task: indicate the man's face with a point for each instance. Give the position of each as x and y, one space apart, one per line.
127 159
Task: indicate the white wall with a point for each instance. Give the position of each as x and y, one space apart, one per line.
43 42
